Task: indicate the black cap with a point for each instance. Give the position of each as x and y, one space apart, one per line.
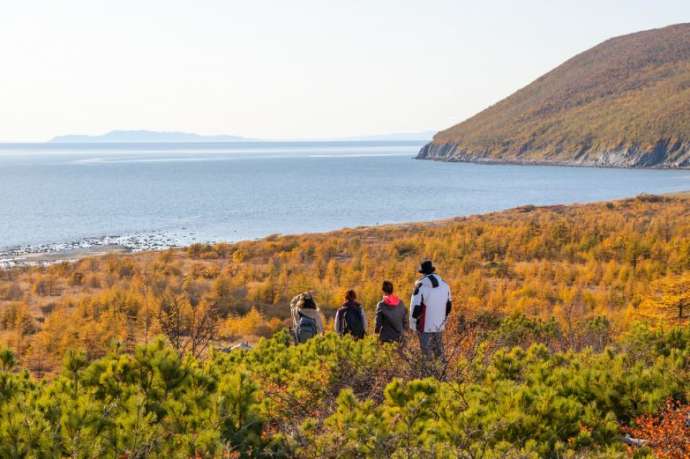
427 267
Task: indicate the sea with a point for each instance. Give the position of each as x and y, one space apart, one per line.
55 197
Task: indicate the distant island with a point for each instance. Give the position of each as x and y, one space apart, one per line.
143 136
623 103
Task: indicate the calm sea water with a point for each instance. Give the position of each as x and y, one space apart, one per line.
151 195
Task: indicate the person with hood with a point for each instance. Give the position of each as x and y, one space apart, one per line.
306 317
429 308
391 316
350 318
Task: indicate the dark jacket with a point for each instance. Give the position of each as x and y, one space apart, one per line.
350 307
391 319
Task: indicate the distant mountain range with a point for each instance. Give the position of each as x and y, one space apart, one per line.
143 136
623 103
146 136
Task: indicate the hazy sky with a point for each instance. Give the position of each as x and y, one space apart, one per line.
286 69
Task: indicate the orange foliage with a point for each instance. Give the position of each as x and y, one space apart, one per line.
668 432
624 260
253 323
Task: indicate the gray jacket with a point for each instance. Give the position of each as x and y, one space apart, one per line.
311 313
391 320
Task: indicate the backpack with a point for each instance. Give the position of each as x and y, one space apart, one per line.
354 324
306 328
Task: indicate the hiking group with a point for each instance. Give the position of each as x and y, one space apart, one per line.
429 308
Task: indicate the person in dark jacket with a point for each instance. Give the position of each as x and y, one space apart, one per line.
350 318
391 316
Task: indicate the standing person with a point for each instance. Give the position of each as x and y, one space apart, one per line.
429 308
306 317
391 316
350 318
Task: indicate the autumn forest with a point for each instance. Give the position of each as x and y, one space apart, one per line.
568 332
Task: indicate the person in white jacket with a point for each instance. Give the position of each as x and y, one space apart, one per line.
429 308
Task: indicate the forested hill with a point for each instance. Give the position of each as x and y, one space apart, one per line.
624 103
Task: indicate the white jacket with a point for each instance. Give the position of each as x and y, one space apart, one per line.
434 301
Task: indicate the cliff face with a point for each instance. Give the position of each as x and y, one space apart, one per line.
623 103
662 155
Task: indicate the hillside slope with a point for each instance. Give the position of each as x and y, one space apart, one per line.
567 263
624 103
569 329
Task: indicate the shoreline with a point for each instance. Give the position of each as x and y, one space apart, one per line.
527 163
67 255
609 159
43 255
57 252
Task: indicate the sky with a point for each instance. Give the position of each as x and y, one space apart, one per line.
286 69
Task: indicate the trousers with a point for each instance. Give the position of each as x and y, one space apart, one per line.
432 344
